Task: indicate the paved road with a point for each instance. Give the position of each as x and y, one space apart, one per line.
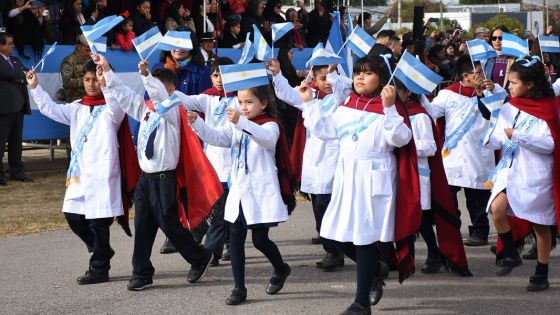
38 272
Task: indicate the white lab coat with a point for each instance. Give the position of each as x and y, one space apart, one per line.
97 194
528 181
425 147
254 179
362 207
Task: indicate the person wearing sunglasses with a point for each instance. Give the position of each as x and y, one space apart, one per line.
497 68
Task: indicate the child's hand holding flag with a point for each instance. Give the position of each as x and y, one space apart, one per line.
232 115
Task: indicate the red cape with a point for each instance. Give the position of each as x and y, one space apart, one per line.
547 110
448 225
286 174
408 211
198 185
298 143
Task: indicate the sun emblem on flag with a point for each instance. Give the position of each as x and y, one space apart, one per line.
243 74
178 41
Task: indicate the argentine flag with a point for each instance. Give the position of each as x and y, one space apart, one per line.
248 51
93 32
323 57
335 43
146 42
175 40
98 45
550 44
480 50
42 61
262 50
514 46
243 76
360 42
280 29
416 76
172 101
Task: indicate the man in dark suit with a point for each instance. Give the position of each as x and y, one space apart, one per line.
14 104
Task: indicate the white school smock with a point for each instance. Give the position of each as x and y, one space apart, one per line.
254 181
219 157
319 156
167 140
421 125
469 163
528 181
97 194
362 207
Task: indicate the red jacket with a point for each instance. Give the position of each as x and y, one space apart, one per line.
125 40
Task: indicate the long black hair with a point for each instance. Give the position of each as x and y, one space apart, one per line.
529 71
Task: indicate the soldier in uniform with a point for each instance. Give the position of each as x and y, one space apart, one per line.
72 72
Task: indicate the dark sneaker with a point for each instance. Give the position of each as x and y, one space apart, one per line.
376 292
215 261
138 284
475 241
198 272
238 296
316 240
331 262
506 265
531 254
92 277
538 283
225 256
431 266
357 309
167 247
277 281
493 249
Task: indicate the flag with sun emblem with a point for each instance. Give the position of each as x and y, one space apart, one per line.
416 76
175 40
243 76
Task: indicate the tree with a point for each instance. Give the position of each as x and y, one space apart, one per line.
407 8
500 19
487 1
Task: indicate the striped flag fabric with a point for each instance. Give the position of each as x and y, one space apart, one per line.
172 101
93 32
360 42
514 46
550 44
263 52
480 50
280 29
98 45
146 43
321 57
248 51
243 76
42 61
416 76
175 40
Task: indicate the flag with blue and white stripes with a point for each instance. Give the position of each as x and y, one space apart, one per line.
248 51
93 32
147 42
480 50
262 50
416 76
360 42
175 40
550 44
280 29
514 46
243 76
98 45
322 57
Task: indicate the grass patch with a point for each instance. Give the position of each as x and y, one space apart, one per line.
33 207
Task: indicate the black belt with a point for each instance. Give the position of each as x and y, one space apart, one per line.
160 175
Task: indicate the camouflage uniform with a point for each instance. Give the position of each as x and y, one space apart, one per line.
72 74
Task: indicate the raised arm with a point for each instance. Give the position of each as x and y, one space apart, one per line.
266 135
220 136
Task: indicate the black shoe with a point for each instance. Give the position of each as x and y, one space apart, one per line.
316 240
198 272
475 241
356 309
506 265
531 254
331 262
237 296
138 284
92 277
3 182
215 261
537 283
167 247
24 179
431 266
376 292
226 257
276 283
493 249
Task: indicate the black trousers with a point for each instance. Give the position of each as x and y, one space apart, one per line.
155 205
95 234
219 228
11 131
367 267
320 202
477 200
